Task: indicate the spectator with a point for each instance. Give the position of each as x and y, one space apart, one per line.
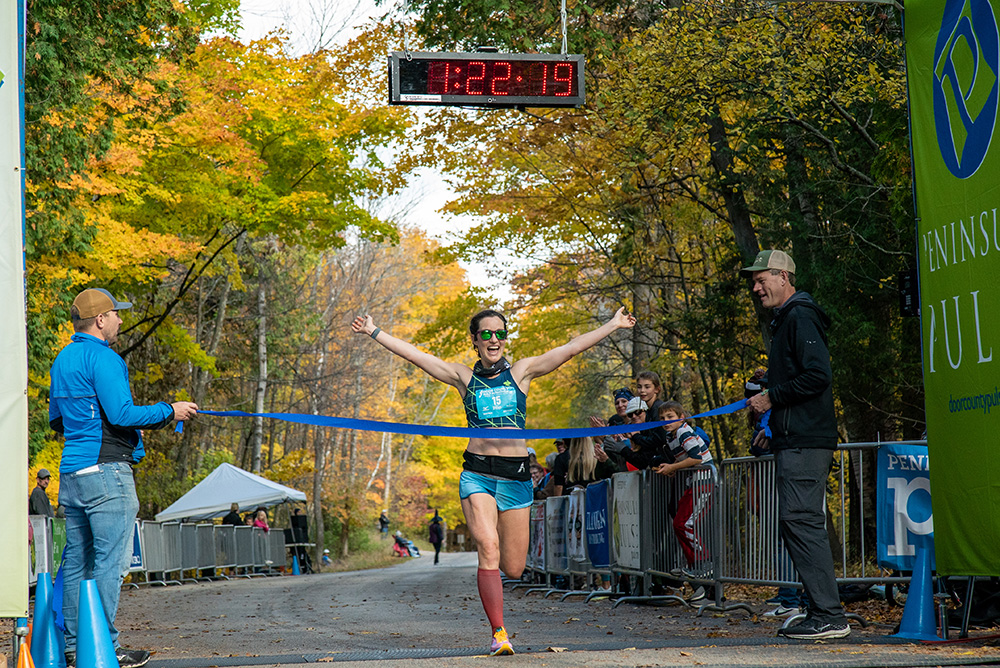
383 524
436 537
233 516
38 502
532 457
326 557
260 520
798 391
560 446
90 403
688 449
640 447
587 463
622 396
537 479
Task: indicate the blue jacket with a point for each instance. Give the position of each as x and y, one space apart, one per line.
90 402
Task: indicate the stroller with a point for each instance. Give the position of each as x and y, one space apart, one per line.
404 547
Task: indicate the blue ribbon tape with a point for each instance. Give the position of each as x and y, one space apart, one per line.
464 432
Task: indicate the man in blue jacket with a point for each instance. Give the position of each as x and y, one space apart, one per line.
803 424
90 402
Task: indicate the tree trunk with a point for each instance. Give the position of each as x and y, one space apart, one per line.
258 422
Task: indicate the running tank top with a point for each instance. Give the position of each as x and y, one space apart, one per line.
495 402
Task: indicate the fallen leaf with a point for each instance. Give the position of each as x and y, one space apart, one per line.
685 653
556 649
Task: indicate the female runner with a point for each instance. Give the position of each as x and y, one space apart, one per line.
495 486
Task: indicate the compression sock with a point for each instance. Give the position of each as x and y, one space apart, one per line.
491 593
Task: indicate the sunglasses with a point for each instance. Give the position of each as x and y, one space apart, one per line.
487 334
633 413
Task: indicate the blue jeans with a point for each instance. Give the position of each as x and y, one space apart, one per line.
101 507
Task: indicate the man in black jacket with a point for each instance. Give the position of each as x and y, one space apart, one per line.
804 434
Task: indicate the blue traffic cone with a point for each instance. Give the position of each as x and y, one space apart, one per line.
919 621
94 648
47 642
295 565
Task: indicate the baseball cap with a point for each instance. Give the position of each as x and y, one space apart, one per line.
622 392
770 259
531 451
95 301
635 404
43 473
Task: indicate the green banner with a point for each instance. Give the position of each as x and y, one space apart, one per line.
953 72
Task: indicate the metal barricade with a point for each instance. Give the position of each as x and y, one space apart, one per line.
261 553
244 550
189 551
206 551
171 535
224 539
278 553
41 543
556 558
536 545
154 552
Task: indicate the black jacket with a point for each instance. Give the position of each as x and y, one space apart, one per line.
799 379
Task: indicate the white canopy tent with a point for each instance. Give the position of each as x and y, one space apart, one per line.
225 486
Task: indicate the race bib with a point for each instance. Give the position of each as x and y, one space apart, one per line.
496 402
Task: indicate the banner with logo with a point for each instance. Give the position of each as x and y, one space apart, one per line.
905 522
597 525
953 74
137 563
14 548
625 521
536 554
556 558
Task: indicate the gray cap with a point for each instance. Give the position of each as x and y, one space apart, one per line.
95 301
43 473
770 259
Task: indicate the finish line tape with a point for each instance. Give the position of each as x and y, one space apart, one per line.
463 432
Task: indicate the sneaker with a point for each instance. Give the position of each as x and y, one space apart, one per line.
782 611
812 629
697 595
501 644
131 658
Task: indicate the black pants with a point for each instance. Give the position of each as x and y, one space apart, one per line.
437 551
801 481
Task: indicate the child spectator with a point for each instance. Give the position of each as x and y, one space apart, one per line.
688 449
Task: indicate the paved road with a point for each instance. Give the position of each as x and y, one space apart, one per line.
417 614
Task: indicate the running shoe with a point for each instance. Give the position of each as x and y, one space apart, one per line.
697 595
812 629
501 644
782 611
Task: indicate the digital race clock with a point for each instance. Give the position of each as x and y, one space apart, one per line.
486 79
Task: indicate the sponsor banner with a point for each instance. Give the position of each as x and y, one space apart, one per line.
596 524
536 557
905 523
15 551
953 75
137 563
576 545
625 520
557 559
